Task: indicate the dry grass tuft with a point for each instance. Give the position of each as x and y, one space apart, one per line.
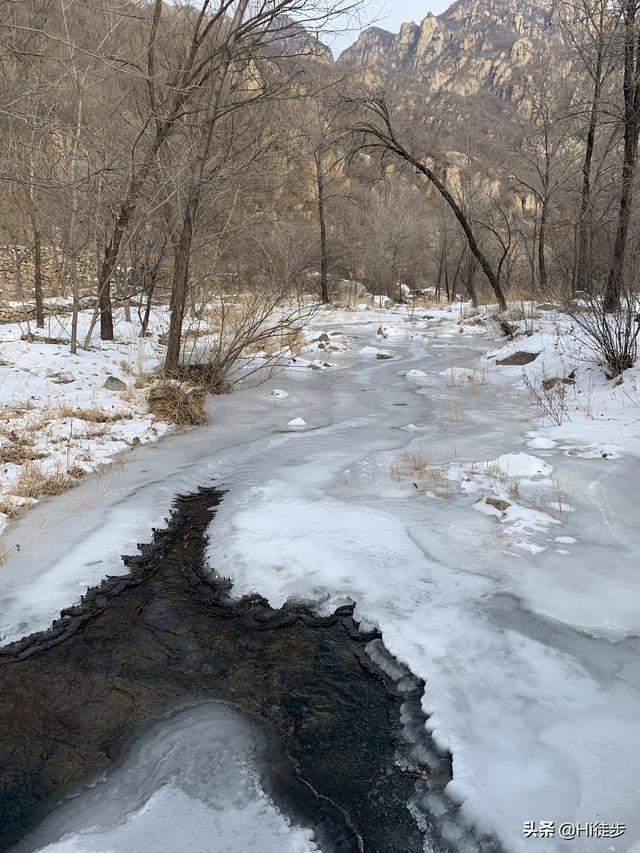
513 489
93 415
426 477
18 452
411 465
12 509
455 415
169 401
30 338
34 483
76 471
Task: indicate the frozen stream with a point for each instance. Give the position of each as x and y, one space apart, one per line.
525 632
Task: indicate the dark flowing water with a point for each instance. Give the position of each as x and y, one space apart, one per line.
73 698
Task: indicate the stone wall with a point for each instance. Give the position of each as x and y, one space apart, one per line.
17 273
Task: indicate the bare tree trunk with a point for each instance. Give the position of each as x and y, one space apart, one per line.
181 255
324 280
126 299
37 249
542 233
532 253
73 219
456 276
471 282
151 286
37 263
18 259
441 263
631 90
583 268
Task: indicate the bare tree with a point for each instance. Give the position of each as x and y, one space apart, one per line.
239 79
544 161
591 27
378 133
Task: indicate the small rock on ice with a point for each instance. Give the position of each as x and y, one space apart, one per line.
279 394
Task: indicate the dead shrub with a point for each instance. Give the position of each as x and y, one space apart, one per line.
170 401
611 336
551 398
207 375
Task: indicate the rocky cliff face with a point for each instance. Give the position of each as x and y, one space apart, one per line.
491 45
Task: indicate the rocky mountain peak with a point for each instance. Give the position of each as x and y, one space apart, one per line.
474 43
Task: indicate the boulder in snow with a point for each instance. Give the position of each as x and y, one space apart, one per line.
112 383
518 359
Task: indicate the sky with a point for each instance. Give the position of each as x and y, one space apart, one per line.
388 14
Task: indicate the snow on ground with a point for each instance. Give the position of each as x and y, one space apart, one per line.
496 551
582 412
58 421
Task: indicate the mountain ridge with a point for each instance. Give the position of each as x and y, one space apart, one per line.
474 44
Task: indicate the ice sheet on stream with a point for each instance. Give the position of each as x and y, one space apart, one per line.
191 784
531 667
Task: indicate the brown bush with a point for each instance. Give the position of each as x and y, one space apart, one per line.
206 374
169 401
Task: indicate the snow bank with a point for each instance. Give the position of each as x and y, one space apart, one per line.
582 409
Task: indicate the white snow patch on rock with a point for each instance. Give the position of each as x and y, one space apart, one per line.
297 423
520 465
540 443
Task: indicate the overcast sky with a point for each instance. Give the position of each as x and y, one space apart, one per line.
388 14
